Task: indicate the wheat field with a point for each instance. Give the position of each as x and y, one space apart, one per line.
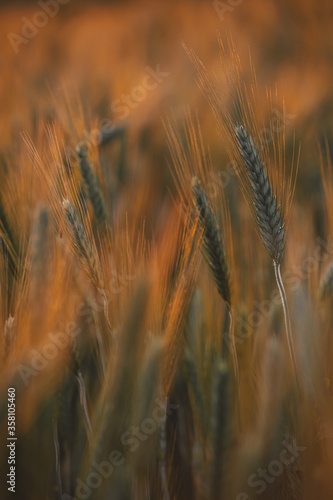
166 250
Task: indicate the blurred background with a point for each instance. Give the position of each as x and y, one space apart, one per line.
101 70
105 54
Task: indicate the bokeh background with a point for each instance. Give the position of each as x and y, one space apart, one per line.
82 70
98 52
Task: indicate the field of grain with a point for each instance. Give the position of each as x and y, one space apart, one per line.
166 250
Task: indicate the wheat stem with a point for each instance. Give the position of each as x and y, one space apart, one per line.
83 401
220 429
326 285
57 457
228 342
162 453
286 317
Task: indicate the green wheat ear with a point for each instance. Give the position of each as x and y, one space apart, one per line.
213 245
269 217
215 256
267 212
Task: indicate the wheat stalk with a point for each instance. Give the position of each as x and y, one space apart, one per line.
57 456
269 206
191 373
162 451
326 284
220 428
216 258
8 336
268 214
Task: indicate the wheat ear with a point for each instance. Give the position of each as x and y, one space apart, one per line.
267 212
93 187
217 261
85 254
213 246
82 246
269 218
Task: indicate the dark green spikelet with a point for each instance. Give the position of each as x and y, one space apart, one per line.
267 212
326 284
220 429
94 191
213 245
